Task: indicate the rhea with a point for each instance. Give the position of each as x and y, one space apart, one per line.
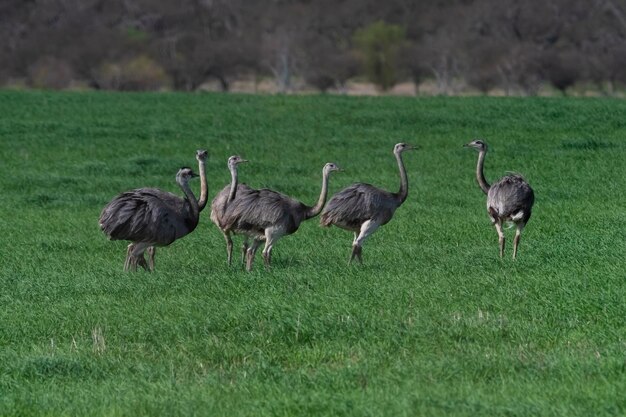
223 200
362 208
510 199
149 217
267 215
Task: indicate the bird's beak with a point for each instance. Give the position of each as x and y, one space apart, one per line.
467 145
413 147
194 175
244 160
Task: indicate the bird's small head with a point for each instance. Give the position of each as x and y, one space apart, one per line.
235 160
477 144
330 167
201 155
184 175
401 147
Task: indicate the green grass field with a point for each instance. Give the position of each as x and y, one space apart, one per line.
433 323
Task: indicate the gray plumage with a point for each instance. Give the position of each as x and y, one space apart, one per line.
149 217
362 208
223 199
510 199
267 215
256 210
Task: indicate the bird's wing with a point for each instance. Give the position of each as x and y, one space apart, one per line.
146 215
357 203
218 205
257 210
510 195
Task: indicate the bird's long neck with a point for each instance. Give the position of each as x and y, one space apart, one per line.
233 184
204 188
194 208
403 192
317 208
480 175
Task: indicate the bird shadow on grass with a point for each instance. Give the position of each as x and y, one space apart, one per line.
40 200
586 144
45 368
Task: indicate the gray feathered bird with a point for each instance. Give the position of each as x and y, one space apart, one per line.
266 215
510 199
362 208
223 199
149 217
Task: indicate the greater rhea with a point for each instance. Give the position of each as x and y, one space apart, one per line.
362 208
267 215
510 199
223 199
149 217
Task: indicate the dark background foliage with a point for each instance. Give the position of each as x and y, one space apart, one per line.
514 46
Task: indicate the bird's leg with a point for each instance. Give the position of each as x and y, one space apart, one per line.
251 253
142 261
267 251
133 259
267 258
353 254
127 262
229 247
367 228
151 253
244 249
498 225
271 237
133 264
356 253
137 256
518 235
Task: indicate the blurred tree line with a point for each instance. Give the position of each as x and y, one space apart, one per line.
512 45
